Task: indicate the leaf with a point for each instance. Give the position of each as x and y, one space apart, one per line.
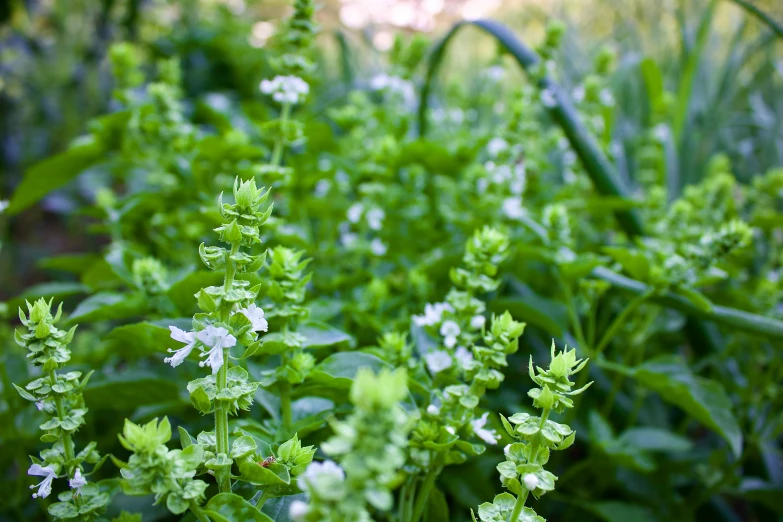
107 306
703 399
322 335
621 512
765 493
72 263
279 508
274 475
145 338
235 509
129 390
655 439
52 173
634 262
698 299
339 369
182 293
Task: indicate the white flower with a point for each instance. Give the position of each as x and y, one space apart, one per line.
318 470
548 98
354 213
45 486
450 330
488 436
215 339
481 185
496 73
496 146
77 482
286 89
189 338
379 81
579 93
477 321
531 481
437 361
375 218
456 115
4 203
378 247
432 314
322 188
506 451
349 239
39 405
256 316
463 356
297 510
451 430
432 409
661 132
512 208
395 86
606 98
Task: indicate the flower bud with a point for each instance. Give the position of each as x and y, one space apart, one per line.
531 481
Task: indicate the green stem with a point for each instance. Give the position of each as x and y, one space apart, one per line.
285 404
620 320
222 441
518 505
572 313
67 441
426 487
521 499
277 152
263 499
198 512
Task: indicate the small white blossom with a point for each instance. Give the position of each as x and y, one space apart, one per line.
438 360
506 451
450 330
477 321
531 481
451 430
189 338
495 73
456 115
286 89
579 93
661 132
256 316
488 436
496 146
318 470
463 356
77 482
433 410
298 510
432 314
216 339
322 188
375 217
355 212
45 486
481 185
606 98
395 86
378 247
39 405
512 208
349 239
4 203
548 98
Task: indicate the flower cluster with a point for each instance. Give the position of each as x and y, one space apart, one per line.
370 448
290 90
59 395
522 472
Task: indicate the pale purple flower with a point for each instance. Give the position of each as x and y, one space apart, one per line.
477 321
78 481
378 247
45 486
438 360
450 330
189 338
375 217
319 470
488 436
216 339
354 213
256 316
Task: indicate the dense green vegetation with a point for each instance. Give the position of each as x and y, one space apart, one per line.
306 280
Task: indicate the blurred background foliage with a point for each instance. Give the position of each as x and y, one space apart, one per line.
713 68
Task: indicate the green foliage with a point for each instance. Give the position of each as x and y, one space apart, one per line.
372 294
